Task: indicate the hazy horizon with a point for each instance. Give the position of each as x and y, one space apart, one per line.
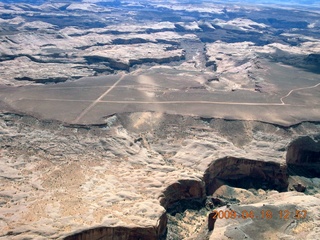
176 1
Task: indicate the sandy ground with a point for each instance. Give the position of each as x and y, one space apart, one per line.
87 101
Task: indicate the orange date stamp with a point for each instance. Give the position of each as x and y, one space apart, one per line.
263 214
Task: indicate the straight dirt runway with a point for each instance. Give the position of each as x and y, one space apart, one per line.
85 111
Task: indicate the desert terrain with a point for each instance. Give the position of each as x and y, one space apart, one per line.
137 120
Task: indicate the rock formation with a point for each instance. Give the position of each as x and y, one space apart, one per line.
245 173
123 233
89 193
189 191
303 156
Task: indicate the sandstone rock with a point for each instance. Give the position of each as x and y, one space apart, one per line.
304 151
240 24
84 189
123 56
183 189
274 223
303 156
218 202
211 220
246 173
299 187
123 233
313 59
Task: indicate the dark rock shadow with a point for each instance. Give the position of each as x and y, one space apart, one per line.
245 173
303 157
182 195
123 233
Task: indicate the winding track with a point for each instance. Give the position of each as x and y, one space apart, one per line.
297 89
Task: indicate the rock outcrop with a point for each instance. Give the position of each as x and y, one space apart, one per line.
123 233
109 62
288 215
185 189
111 181
245 173
303 156
304 151
313 59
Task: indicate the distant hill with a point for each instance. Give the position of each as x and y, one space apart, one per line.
305 2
